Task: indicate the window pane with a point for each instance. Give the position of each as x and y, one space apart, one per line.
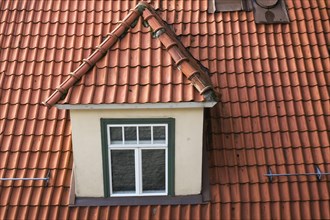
123 170
116 136
159 134
153 170
130 135
145 135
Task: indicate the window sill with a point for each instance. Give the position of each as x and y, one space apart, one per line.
145 200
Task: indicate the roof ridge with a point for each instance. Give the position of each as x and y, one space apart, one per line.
183 59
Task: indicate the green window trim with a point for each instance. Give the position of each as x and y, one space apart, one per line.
171 147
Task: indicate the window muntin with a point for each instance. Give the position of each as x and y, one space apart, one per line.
149 144
137 135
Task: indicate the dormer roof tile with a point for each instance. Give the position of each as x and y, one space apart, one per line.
183 60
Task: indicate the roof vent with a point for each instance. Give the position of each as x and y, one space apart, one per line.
267 3
270 11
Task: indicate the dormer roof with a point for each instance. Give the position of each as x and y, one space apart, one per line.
129 73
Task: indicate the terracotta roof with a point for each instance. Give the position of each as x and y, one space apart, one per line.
274 110
134 81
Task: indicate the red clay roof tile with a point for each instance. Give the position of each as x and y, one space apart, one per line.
274 109
189 68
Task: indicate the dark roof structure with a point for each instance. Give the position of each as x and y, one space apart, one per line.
273 110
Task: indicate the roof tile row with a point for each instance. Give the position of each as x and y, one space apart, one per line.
274 109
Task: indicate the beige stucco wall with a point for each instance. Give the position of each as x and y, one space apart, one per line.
87 147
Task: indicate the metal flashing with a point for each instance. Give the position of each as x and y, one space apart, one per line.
169 105
229 5
135 201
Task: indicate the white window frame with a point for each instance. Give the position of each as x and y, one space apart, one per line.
138 147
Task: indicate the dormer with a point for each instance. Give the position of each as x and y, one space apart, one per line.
137 114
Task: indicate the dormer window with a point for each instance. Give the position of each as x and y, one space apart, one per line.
137 157
145 152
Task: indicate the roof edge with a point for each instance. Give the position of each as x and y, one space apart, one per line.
169 105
